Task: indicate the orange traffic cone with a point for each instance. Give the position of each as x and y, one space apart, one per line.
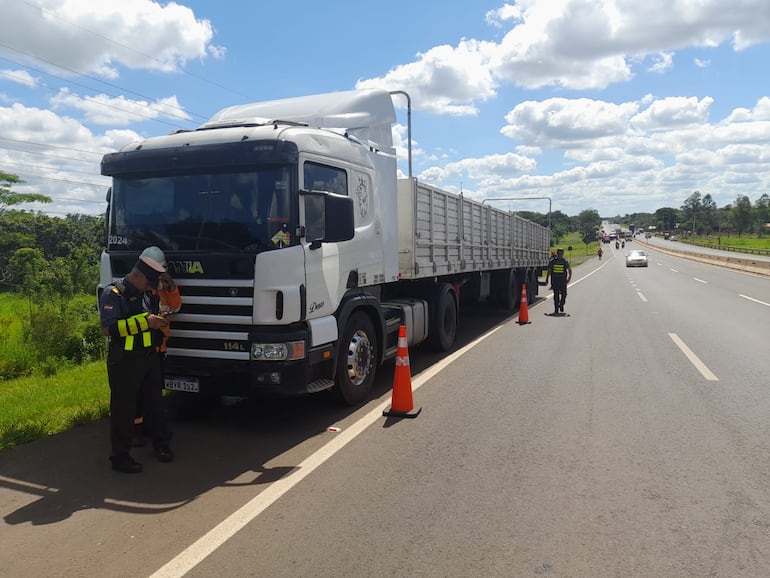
523 308
401 403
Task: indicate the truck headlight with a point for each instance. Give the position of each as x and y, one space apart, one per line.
278 351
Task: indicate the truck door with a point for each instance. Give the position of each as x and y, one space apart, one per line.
323 283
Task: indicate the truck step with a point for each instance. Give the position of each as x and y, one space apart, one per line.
320 385
390 353
392 324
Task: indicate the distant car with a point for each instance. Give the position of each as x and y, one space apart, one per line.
636 259
673 238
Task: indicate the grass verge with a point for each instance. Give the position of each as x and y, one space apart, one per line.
38 406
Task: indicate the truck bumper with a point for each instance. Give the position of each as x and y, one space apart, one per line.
218 377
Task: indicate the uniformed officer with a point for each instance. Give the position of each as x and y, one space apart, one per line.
560 273
130 316
170 302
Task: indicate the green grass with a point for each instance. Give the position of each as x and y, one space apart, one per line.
37 406
580 251
16 357
746 241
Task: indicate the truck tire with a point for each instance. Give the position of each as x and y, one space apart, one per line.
357 360
508 290
531 287
442 326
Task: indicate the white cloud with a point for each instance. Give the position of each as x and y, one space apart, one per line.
563 122
74 37
443 80
51 153
18 76
662 63
654 149
480 168
499 16
671 112
106 110
573 44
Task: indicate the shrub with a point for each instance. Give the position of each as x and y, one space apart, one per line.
68 330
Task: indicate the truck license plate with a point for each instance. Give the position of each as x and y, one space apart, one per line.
189 384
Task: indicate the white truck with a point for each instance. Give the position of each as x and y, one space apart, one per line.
298 250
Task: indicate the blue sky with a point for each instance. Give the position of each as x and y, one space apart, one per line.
614 105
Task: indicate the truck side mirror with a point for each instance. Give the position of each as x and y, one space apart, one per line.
328 218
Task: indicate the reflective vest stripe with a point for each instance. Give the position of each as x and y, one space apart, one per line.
136 324
133 325
558 268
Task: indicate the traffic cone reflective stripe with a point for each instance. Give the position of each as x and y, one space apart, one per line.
401 403
523 307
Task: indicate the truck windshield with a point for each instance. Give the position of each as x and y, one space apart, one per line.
239 212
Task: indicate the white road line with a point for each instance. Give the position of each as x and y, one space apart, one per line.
700 281
699 365
642 297
754 300
214 538
674 270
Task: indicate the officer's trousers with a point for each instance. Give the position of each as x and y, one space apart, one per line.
135 375
559 293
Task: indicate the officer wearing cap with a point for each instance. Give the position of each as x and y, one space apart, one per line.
129 311
170 302
560 273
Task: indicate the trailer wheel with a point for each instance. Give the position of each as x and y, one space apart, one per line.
531 287
357 360
509 292
443 320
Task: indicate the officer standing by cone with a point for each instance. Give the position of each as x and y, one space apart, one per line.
129 311
560 273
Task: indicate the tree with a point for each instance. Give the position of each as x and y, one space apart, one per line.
666 218
743 216
762 213
560 226
69 246
691 208
9 198
709 213
588 221
31 272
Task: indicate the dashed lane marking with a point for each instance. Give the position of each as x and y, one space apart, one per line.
754 300
699 365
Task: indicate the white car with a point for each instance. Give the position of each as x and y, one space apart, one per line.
636 259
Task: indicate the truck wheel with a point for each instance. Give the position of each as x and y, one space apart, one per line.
443 319
357 360
531 287
509 291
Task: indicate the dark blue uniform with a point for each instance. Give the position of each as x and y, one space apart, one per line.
558 270
133 364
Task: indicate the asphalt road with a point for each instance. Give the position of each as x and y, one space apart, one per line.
629 438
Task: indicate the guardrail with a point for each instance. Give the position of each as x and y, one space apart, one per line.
730 248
